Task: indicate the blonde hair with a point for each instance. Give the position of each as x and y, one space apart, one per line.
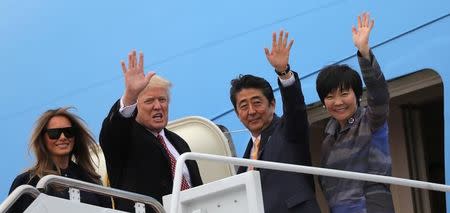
158 81
84 142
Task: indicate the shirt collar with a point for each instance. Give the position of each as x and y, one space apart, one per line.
162 133
254 138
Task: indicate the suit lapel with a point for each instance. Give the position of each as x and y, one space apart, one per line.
265 138
248 149
175 143
182 148
266 135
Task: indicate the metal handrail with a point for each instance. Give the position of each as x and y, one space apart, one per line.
98 189
292 168
19 191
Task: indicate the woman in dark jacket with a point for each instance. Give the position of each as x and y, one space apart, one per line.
62 145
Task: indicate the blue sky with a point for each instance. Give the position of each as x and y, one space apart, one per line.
67 53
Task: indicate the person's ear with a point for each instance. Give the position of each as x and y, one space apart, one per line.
272 104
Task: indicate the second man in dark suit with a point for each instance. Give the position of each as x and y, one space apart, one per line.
280 139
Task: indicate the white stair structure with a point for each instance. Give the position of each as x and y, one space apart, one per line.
203 198
46 203
238 194
223 191
50 204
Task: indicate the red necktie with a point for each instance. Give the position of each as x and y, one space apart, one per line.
173 162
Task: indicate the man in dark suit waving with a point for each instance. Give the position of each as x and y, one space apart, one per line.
279 139
140 152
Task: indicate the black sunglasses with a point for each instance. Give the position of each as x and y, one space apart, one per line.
69 132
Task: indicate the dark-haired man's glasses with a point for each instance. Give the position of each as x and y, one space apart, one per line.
55 133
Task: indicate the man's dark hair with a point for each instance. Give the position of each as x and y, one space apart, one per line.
250 82
341 77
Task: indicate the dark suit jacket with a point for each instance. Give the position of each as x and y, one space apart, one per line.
136 161
286 140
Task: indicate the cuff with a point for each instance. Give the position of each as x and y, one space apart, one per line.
126 111
287 82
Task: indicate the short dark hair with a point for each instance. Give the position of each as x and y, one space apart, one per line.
337 76
250 82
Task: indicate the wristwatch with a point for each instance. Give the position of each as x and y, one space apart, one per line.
288 68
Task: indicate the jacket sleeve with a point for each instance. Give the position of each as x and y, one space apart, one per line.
377 91
21 179
25 200
295 119
114 135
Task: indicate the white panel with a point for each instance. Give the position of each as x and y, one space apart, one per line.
237 194
49 204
